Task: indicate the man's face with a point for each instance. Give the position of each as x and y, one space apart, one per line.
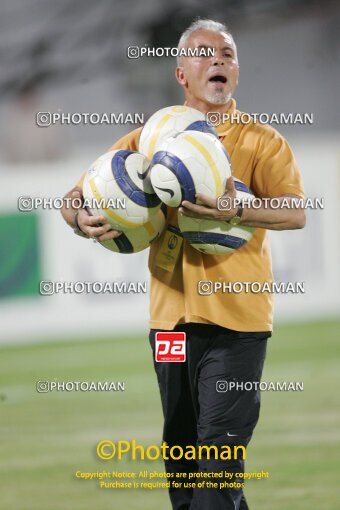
211 80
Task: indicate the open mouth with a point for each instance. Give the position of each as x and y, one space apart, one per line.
218 79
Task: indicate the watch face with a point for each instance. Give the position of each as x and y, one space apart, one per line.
235 220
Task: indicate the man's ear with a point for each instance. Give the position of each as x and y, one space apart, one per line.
180 76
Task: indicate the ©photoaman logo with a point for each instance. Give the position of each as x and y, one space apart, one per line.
170 347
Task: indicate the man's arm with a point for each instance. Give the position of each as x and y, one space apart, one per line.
285 218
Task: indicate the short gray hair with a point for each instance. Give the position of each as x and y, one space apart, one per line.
201 24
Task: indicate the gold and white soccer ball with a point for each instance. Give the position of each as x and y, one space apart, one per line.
191 162
138 239
118 187
217 237
168 122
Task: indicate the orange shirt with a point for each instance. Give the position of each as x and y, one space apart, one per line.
263 160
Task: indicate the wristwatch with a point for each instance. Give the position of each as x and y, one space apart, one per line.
235 220
77 230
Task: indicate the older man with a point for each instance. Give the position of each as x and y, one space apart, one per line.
226 333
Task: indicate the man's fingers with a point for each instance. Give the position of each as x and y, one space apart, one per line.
206 200
77 195
111 234
195 208
94 220
97 231
230 187
197 211
190 206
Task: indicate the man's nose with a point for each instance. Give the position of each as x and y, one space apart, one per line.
217 59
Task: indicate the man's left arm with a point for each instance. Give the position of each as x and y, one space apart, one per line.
286 215
275 175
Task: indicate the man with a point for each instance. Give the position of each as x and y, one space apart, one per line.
226 333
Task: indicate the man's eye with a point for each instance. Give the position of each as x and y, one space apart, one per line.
204 52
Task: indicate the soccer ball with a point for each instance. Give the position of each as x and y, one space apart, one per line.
118 186
189 163
139 238
217 237
168 122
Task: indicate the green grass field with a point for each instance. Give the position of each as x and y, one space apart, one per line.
46 438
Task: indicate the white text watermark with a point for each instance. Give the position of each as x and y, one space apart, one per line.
27 203
47 386
208 287
226 203
48 288
290 118
167 51
46 119
222 386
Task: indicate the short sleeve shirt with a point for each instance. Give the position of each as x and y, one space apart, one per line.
263 160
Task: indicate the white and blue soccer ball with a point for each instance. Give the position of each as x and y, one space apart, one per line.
118 187
168 122
214 236
139 238
190 162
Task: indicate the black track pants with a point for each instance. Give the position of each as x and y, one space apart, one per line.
198 411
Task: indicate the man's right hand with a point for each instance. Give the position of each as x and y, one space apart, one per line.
96 227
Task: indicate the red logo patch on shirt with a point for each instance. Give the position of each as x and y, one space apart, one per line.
170 346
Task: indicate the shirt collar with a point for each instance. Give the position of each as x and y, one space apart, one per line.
223 127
